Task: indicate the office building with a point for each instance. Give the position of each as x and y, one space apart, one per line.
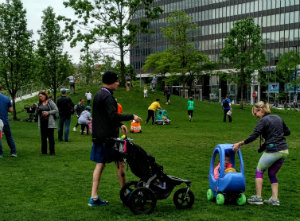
279 21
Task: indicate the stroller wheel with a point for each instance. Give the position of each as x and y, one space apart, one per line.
142 201
183 198
126 191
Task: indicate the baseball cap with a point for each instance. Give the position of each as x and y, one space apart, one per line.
63 91
88 107
109 77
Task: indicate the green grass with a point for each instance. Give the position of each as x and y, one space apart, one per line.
36 187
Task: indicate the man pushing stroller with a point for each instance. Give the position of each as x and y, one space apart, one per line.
106 123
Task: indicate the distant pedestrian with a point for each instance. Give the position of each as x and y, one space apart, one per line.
47 114
167 93
5 107
151 110
145 92
72 84
128 82
66 109
153 82
78 109
88 96
226 106
190 105
84 119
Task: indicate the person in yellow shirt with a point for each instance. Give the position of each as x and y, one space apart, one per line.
151 110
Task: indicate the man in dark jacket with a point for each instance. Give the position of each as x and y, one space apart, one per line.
106 123
66 109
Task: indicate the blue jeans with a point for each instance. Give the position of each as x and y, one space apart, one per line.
64 121
9 139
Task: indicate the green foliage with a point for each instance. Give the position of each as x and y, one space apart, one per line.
182 56
110 21
243 51
57 188
88 63
54 65
16 48
287 66
162 62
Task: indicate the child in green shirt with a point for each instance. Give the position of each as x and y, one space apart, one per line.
190 105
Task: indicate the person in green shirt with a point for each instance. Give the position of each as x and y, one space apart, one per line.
190 105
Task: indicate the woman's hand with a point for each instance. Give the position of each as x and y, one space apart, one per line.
237 146
45 114
124 130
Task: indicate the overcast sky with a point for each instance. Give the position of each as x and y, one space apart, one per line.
35 10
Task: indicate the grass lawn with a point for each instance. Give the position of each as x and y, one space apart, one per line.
36 187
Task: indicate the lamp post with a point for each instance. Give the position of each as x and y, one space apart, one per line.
295 86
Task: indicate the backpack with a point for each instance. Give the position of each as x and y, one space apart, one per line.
225 103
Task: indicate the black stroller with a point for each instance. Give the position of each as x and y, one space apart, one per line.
31 110
154 184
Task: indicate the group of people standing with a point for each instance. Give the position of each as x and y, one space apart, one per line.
106 122
48 112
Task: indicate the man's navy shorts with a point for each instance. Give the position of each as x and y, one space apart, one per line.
103 153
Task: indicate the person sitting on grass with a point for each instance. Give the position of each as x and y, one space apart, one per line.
84 119
227 165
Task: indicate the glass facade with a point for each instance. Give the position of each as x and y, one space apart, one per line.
279 21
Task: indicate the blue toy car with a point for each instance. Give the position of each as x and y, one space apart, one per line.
227 184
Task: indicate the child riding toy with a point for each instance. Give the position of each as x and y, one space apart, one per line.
228 184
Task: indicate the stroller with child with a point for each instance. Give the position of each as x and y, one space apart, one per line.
32 114
162 118
154 184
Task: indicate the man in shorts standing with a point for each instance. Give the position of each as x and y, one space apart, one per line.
106 123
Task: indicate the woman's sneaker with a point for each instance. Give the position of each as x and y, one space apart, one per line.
272 202
255 200
97 202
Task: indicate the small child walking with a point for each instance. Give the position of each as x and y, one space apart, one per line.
145 92
190 105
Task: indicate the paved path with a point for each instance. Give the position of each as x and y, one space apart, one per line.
27 96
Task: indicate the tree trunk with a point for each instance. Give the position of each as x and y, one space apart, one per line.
14 107
122 82
242 88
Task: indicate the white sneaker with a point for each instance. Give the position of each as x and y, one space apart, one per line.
74 128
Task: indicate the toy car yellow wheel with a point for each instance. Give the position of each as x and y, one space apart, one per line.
220 199
210 195
241 200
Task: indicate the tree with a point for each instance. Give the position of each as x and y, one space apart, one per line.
181 56
88 63
161 62
109 21
243 51
16 48
287 67
54 65
177 33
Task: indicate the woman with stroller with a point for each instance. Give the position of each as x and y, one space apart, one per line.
47 112
273 129
84 119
